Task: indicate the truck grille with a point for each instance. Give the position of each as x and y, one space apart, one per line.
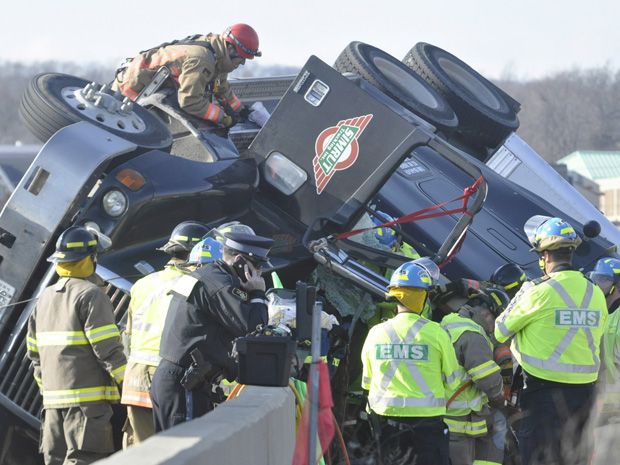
16 375
261 88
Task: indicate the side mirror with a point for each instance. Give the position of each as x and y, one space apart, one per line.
103 242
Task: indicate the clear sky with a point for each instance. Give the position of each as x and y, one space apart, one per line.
520 38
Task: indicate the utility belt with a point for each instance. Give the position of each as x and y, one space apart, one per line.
199 372
533 383
410 423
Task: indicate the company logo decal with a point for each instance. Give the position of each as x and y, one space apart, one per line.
336 149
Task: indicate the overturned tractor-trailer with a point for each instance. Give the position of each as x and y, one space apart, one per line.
370 133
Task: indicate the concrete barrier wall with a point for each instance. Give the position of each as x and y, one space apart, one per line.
255 428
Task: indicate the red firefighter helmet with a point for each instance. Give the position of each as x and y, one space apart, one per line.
244 38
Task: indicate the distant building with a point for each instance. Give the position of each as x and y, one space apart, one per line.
602 167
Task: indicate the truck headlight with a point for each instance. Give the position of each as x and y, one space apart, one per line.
114 203
283 174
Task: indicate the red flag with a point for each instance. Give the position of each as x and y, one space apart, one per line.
326 427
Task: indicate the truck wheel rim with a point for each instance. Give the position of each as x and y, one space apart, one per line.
405 82
106 107
473 85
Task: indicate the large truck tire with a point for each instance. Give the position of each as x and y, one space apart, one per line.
52 101
396 80
486 115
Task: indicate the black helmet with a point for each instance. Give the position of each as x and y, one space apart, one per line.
73 245
498 299
493 298
510 276
184 237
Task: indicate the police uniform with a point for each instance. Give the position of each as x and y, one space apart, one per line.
556 324
209 309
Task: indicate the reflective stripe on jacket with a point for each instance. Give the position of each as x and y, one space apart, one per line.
137 385
409 367
610 389
147 312
557 326
474 352
146 316
74 345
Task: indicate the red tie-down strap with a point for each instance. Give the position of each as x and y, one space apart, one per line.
427 213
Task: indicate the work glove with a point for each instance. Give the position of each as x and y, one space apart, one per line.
228 121
243 114
497 402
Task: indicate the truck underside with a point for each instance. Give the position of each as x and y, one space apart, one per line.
336 148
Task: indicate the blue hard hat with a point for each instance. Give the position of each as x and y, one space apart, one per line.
206 251
608 268
411 274
546 233
385 235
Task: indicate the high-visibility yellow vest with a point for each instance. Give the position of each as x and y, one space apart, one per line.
147 309
610 396
557 325
410 368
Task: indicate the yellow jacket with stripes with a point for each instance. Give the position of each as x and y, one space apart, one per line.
75 345
409 367
556 324
474 352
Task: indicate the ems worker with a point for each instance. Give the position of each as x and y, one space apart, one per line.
410 370
389 237
145 322
556 324
208 250
210 308
470 417
199 67
606 275
77 355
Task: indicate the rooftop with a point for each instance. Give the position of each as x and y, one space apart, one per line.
593 165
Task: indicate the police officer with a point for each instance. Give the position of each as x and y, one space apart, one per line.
214 305
509 277
556 323
199 67
77 355
471 413
145 322
410 370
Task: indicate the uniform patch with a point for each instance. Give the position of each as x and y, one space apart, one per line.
336 149
577 318
239 294
401 352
